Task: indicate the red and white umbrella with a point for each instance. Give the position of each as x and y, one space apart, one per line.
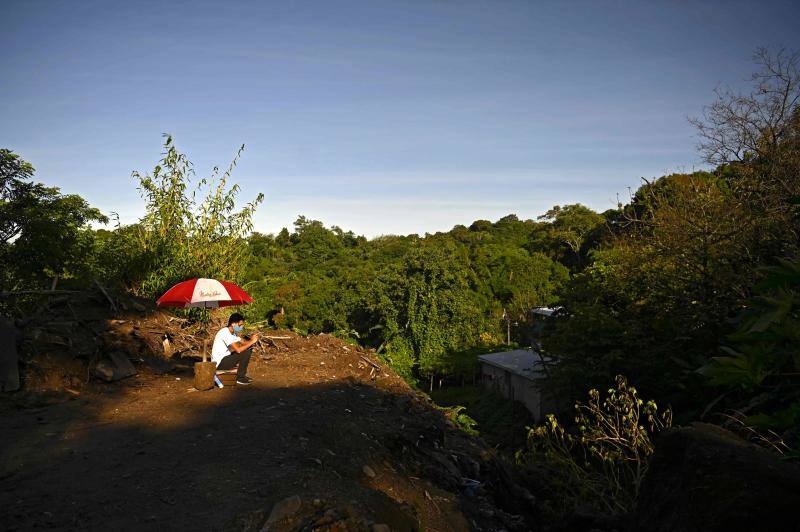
204 293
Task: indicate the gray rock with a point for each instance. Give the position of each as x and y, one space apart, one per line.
117 367
706 478
104 370
122 366
282 510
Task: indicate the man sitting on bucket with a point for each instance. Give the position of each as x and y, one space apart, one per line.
229 350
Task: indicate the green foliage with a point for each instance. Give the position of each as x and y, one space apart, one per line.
180 237
767 342
43 233
780 419
604 463
429 305
437 309
567 234
658 296
399 353
460 418
762 362
668 273
500 422
745 369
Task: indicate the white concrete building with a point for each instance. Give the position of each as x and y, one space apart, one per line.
517 375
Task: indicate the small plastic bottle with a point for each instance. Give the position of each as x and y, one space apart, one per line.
219 382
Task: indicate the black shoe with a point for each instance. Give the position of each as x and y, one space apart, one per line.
244 380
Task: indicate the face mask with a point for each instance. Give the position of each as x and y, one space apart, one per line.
238 328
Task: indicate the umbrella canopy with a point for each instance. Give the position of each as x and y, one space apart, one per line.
204 293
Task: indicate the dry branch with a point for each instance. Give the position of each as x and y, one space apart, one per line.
371 363
108 297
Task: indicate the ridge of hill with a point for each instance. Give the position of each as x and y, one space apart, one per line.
326 438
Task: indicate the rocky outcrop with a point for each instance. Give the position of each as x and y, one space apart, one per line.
706 478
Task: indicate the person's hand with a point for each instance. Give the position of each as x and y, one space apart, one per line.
255 337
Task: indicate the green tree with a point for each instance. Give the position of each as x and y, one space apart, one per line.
566 233
440 316
181 237
43 233
755 136
759 364
681 259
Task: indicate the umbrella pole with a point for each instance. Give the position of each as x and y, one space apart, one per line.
205 337
204 371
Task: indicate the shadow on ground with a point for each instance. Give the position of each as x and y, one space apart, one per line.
150 454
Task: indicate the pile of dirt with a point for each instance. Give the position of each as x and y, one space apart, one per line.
66 337
326 438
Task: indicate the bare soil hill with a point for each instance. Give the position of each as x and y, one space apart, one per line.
326 438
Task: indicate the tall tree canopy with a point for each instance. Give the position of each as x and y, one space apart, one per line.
43 233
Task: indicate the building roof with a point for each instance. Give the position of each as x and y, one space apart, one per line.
523 362
545 311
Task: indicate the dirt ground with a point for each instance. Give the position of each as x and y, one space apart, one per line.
357 446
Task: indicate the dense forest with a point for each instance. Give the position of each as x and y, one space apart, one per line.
690 289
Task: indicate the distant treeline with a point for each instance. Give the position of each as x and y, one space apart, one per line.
428 304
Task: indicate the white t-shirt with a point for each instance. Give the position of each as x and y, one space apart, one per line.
222 340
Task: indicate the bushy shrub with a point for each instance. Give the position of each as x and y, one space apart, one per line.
460 418
44 234
760 366
602 463
179 237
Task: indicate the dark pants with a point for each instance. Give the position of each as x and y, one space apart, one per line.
230 362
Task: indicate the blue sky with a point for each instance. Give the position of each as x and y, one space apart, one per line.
377 116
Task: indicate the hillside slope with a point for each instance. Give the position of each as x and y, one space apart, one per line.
323 421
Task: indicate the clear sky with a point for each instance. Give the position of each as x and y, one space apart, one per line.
378 116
